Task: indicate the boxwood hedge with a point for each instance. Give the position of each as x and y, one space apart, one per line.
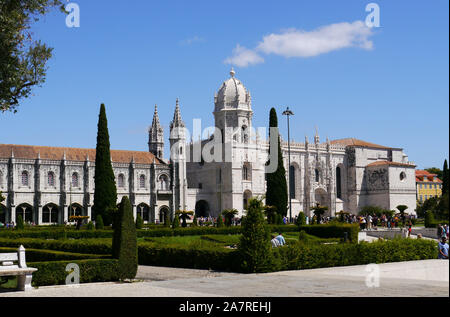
295 256
39 255
54 273
333 231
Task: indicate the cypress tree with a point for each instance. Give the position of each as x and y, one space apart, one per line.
254 245
99 223
166 219
139 222
276 194
20 224
445 179
124 244
176 222
219 222
105 195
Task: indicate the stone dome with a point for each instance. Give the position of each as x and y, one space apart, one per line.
232 95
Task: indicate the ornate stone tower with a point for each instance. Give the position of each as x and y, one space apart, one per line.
233 110
178 160
156 136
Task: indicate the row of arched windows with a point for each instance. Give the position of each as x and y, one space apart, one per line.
25 179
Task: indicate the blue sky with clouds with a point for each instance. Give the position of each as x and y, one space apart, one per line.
386 85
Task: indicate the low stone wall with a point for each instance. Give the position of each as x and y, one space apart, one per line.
426 232
388 234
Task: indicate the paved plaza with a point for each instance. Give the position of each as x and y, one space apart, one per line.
427 278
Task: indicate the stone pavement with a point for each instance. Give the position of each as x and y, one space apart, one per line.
405 279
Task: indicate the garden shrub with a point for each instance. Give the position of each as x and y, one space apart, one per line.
99 223
20 224
89 246
95 270
254 246
124 245
333 231
139 222
39 255
176 222
429 219
90 226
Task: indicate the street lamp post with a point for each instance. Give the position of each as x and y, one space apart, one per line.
288 113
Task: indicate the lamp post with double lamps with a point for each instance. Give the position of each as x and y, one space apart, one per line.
288 113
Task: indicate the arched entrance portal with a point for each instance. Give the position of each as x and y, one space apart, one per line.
163 211
202 208
246 198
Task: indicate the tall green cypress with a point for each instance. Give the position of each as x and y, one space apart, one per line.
445 178
277 194
124 244
105 195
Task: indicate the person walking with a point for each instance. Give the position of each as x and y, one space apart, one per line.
443 249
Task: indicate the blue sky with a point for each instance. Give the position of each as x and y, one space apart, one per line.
392 89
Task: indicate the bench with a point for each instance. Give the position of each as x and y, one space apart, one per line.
8 268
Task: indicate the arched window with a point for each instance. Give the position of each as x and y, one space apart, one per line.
317 176
51 179
163 182
338 183
142 181
247 172
292 181
24 178
75 182
120 181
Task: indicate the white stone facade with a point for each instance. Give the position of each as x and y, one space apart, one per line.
345 174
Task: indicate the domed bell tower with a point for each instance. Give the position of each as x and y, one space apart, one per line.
233 112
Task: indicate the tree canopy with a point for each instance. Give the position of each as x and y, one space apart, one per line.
23 59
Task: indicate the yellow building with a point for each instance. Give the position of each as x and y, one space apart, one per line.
428 185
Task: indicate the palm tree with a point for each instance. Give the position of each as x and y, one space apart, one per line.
229 215
183 215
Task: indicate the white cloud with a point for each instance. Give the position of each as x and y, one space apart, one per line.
192 40
242 57
299 43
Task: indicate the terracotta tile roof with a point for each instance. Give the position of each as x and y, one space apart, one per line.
358 143
383 163
422 174
73 154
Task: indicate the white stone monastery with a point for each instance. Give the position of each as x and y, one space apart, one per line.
47 185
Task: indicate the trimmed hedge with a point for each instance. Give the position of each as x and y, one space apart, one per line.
294 256
311 256
221 259
75 246
333 231
154 231
38 255
54 273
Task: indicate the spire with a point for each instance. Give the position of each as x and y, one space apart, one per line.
316 137
155 123
177 121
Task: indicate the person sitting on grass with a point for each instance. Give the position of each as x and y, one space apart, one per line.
443 249
280 239
275 242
